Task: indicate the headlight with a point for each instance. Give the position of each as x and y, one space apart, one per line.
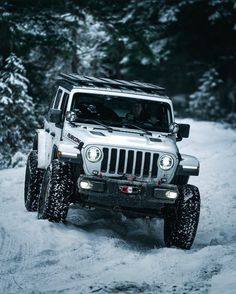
166 162
93 154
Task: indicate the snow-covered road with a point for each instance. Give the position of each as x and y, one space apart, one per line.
94 253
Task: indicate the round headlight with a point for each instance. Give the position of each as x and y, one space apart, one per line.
166 162
93 154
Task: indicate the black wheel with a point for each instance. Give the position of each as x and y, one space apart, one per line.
181 221
56 192
33 182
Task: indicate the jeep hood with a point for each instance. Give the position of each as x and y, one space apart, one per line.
119 138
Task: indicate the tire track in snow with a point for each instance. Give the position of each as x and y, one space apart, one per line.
14 256
2 238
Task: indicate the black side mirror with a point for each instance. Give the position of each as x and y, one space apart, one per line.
55 115
183 131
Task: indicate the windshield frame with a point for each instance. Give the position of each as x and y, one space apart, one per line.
135 96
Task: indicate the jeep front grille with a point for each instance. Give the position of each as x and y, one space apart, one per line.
131 162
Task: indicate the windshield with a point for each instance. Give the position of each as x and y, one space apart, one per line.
122 111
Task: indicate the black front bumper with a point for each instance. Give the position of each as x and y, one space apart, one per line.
124 194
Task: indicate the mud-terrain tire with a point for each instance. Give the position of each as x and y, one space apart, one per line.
181 221
56 192
33 182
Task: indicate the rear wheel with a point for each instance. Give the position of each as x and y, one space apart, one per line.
33 182
56 192
181 221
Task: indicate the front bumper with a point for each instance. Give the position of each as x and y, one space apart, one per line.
119 193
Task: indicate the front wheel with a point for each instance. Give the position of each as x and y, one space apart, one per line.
56 192
181 221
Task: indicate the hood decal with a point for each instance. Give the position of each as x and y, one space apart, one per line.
73 138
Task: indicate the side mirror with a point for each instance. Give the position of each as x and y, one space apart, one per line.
183 131
55 115
71 116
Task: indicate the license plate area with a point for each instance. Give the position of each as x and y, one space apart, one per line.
129 190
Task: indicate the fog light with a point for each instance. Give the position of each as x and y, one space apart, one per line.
86 185
171 194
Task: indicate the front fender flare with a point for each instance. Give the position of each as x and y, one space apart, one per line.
188 166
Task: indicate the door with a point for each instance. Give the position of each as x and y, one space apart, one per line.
54 130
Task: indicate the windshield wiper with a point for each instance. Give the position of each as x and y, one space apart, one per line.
137 127
96 122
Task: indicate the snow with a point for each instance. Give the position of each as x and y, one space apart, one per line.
159 49
169 14
97 253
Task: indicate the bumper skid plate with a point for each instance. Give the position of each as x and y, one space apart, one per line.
110 192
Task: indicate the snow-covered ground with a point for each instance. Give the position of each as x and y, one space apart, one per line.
94 253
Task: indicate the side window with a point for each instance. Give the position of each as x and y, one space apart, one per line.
57 99
64 103
53 102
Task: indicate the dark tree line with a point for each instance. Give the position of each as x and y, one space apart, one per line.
187 46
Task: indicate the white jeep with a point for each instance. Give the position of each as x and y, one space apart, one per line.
111 144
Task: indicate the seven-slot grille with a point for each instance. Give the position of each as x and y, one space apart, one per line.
132 162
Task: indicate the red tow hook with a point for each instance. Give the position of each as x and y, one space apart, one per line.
129 189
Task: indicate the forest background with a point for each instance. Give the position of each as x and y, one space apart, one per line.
186 46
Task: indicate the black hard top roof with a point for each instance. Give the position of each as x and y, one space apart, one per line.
74 80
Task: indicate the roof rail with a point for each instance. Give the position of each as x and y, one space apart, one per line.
76 79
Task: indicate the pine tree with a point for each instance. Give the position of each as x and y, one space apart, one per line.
92 37
205 102
16 110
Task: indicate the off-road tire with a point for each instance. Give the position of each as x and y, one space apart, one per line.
181 221
56 192
33 182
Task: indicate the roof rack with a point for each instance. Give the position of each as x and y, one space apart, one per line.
79 80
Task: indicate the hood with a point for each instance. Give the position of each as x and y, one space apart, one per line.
119 137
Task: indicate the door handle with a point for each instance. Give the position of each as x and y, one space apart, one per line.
52 134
